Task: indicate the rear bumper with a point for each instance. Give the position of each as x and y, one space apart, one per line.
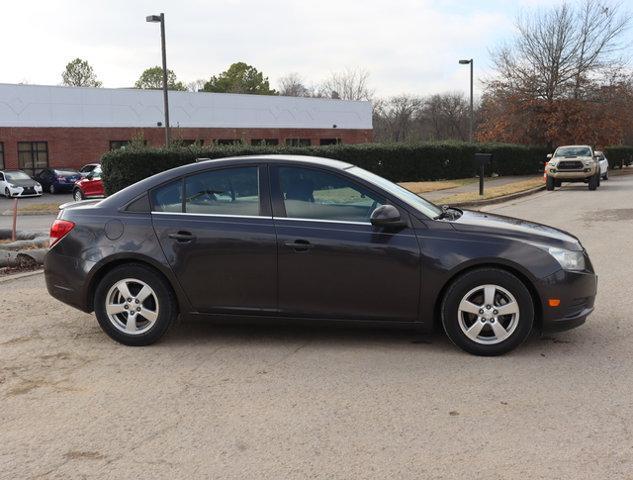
66 279
576 292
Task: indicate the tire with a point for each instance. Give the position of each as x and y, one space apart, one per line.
606 175
557 183
594 182
78 195
7 193
495 334
51 189
549 183
160 303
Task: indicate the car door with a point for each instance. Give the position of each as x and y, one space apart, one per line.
93 187
44 178
332 262
216 230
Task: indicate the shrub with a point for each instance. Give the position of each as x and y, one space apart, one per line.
397 162
619 155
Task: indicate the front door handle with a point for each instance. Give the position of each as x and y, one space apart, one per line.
299 245
182 236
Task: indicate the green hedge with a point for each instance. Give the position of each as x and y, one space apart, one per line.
619 155
397 162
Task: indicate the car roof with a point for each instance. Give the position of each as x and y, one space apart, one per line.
12 171
574 146
278 158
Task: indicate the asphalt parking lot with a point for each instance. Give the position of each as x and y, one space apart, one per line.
281 402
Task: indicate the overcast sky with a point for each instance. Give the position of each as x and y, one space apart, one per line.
407 45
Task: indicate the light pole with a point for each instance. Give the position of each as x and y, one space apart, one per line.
161 19
472 113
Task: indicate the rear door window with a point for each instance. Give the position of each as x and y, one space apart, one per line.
227 191
168 197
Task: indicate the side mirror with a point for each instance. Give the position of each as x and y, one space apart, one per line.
549 156
387 216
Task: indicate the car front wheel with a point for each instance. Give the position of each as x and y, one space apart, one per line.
52 189
487 311
550 183
78 195
594 182
135 305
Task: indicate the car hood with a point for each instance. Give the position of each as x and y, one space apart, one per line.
23 183
516 228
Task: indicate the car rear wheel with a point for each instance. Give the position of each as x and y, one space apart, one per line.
135 305
487 311
78 195
549 183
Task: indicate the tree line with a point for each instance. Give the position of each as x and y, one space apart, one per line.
563 78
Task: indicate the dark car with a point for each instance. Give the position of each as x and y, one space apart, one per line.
56 180
304 238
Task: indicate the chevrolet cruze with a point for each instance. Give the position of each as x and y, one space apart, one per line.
311 239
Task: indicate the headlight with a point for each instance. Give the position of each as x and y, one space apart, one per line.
568 259
12 186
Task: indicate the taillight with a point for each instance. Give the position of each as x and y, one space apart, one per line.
59 230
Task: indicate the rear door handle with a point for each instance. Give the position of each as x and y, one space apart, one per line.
182 236
299 245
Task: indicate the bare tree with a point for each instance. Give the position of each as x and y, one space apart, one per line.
561 49
292 85
446 116
196 85
349 84
394 119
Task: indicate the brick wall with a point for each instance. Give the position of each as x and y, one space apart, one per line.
74 147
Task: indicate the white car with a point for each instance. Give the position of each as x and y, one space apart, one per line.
604 164
16 183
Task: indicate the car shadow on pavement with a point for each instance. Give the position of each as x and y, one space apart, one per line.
216 334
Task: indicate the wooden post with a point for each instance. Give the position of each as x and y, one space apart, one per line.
15 217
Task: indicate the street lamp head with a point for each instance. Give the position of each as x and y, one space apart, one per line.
153 19
465 62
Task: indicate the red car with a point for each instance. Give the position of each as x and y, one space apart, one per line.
90 186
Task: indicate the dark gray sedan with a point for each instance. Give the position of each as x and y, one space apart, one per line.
311 239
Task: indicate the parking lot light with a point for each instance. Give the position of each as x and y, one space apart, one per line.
161 19
472 118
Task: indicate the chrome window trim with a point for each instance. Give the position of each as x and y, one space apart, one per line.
219 215
223 215
298 219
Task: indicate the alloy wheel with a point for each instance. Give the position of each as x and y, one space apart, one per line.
132 306
488 314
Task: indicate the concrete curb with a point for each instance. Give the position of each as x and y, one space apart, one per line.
16 276
504 198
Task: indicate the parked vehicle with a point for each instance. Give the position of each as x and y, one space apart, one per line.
90 186
572 163
303 239
16 183
604 164
56 180
87 168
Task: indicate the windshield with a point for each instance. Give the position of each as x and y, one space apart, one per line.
573 152
16 176
66 173
410 198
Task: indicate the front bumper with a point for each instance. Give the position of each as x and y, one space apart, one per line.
576 292
571 175
25 191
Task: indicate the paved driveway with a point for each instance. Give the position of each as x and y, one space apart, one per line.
293 403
